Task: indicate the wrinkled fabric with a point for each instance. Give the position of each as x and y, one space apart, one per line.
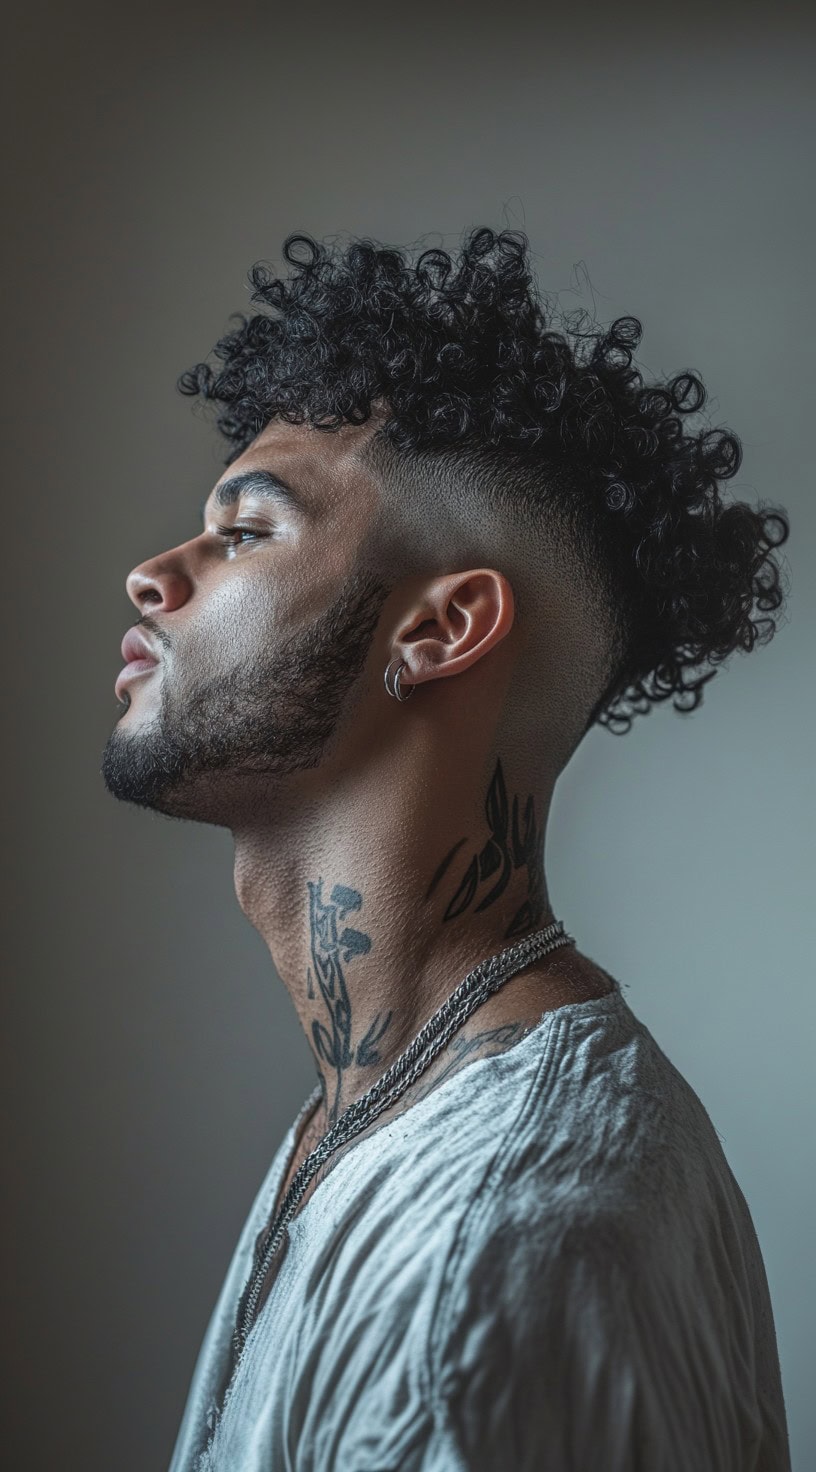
545 1263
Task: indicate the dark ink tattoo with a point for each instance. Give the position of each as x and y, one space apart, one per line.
332 948
503 852
443 867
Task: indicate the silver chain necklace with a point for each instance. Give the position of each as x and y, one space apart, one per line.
478 985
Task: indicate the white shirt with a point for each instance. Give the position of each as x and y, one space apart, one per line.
543 1265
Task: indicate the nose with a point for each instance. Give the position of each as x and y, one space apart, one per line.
159 583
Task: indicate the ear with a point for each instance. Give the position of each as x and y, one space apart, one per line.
455 621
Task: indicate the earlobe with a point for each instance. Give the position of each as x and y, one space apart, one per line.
393 680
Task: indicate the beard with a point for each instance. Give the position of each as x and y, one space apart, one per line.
265 717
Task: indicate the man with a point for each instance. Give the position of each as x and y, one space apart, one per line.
450 538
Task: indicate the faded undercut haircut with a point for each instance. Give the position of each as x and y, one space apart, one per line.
548 413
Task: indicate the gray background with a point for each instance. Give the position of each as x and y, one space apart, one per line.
661 165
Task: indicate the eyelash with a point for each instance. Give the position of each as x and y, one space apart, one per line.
228 531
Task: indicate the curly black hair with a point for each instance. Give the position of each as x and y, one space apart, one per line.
466 357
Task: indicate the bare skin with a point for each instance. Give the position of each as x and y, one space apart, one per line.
414 848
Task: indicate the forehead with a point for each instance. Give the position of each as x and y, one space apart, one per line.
323 467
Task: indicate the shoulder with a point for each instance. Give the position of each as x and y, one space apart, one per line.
612 1158
601 1290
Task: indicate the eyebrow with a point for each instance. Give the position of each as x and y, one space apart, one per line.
263 483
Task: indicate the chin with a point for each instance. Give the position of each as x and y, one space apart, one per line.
143 769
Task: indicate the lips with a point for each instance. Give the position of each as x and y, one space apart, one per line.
138 655
136 646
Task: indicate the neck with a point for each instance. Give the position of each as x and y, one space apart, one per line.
375 899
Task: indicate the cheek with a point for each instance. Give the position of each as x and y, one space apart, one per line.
255 608
238 617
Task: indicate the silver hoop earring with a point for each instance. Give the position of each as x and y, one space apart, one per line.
393 676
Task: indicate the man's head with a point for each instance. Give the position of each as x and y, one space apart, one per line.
420 464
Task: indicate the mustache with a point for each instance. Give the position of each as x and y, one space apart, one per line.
150 626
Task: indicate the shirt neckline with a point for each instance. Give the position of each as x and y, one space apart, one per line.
608 1001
